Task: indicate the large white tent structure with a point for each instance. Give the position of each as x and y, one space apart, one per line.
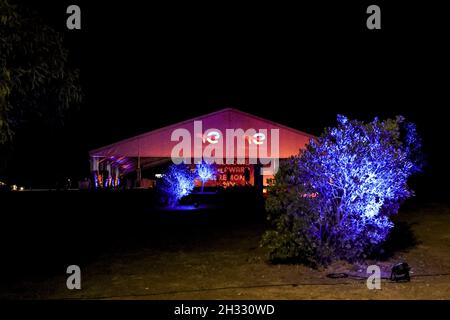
156 147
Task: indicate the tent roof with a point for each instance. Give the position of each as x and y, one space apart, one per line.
157 143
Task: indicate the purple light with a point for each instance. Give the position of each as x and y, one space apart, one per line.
205 171
358 173
177 182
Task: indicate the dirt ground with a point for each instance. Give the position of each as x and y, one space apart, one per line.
227 263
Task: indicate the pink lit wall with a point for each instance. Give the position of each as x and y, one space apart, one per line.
158 143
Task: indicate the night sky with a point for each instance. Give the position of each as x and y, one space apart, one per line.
144 66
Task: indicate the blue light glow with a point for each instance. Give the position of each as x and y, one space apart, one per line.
177 182
205 171
359 174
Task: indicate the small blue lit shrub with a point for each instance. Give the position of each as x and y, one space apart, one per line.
205 172
177 182
334 200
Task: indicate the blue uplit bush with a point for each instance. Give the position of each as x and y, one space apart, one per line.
205 172
334 200
177 182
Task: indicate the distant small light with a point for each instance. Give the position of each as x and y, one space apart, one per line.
213 137
22 188
159 175
258 138
14 187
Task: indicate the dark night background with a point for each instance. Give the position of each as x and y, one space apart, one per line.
144 66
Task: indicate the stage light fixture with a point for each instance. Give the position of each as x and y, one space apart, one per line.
400 272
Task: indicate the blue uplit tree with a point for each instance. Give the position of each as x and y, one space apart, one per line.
205 171
177 182
334 200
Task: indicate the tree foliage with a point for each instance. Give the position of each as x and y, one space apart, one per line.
334 200
35 80
205 172
178 181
